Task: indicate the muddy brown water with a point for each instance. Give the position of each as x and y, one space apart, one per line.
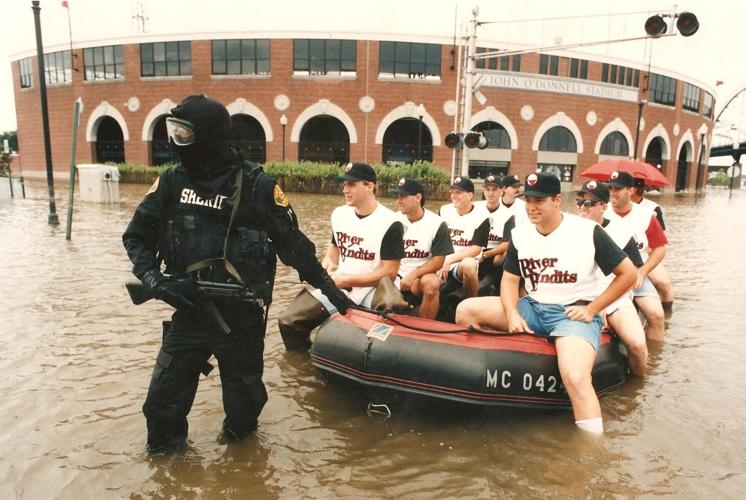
77 356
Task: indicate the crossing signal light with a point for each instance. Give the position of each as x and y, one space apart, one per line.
452 140
475 140
655 26
687 24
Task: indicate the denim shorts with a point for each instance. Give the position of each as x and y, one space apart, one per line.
647 289
549 320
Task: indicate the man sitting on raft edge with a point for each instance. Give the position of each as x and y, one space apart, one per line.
558 255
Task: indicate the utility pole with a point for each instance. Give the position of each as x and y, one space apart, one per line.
471 64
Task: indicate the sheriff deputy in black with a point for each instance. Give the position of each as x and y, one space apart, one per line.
187 221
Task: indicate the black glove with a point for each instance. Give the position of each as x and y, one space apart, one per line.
178 293
336 296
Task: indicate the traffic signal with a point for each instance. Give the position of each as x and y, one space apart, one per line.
687 24
475 140
452 140
655 26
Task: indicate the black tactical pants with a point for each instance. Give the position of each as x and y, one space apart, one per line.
188 343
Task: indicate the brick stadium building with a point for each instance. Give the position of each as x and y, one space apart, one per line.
373 99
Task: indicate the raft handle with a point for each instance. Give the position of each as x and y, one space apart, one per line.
378 409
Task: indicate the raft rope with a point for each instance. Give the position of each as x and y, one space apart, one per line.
468 329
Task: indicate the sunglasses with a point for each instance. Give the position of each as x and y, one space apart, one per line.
586 203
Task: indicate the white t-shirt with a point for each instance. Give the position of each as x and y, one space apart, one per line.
359 242
418 240
558 268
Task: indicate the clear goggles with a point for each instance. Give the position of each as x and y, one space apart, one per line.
181 131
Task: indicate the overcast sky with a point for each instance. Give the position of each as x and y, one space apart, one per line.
715 52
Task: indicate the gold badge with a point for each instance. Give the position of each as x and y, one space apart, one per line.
153 187
280 199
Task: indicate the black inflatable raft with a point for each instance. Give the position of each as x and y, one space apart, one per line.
382 359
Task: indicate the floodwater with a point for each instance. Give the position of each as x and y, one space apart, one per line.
77 357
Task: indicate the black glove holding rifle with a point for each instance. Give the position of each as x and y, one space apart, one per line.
185 293
178 293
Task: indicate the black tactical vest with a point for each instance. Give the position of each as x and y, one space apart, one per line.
194 230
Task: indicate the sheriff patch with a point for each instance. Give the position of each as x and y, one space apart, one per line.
280 199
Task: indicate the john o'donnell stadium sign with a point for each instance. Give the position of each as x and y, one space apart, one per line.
558 85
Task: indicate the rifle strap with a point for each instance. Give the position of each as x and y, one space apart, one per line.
196 266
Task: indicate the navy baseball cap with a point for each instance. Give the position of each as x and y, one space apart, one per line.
358 172
463 183
493 180
619 179
511 180
410 187
541 185
599 190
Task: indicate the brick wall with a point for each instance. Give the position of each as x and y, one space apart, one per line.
345 93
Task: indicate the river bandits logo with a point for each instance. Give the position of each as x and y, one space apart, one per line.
536 271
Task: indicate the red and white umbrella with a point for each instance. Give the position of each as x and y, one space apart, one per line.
601 171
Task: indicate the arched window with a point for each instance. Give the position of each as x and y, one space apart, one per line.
324 139
109 141
497 136
654 153
248 134
160 152
615 144
682 172
406 140
558 139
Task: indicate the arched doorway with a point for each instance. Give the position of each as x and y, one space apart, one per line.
407 140
654 152
494 159
160 152
109 141
682 172
324 139
248 134
558 153
614 144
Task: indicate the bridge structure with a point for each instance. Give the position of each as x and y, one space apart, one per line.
729 132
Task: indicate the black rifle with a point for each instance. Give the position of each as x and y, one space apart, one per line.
139 294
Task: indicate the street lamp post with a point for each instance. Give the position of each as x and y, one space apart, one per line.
640 105
420 112
283 123
52 220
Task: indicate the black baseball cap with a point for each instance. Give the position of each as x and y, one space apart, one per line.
463 183
541 185
410 187
620 179
599 190
493 180
511 180
358 172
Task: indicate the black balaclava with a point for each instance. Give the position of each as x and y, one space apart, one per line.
211 157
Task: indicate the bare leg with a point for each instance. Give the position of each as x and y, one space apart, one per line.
653 311
575 357
467 272
626 324
428 287
482 312
662 281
